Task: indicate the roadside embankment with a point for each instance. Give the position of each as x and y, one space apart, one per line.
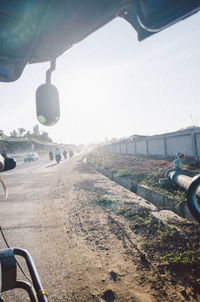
141 176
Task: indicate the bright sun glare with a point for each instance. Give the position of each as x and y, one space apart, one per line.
85 101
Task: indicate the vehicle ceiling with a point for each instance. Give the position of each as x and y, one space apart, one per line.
41 30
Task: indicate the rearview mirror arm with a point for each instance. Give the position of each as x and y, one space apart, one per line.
50 70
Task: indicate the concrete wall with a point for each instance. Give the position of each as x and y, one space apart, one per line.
167 144
118 149
141 147
123 148
156 146
197 136
181 143
131 148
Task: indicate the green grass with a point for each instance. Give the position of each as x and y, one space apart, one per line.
132 214
167 233
186 257
123 173
142 219
104 200
173 192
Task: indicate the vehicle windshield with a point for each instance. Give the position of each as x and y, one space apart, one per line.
115 218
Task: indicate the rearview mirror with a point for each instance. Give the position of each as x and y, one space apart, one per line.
47 104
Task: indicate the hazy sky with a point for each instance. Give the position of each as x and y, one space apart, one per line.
112 85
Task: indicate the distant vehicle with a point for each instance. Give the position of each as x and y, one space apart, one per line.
71 153
58 158
51 156
31 157
65 154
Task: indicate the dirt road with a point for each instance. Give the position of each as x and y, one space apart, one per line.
83 251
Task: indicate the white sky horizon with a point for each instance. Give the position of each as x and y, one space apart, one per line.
111 85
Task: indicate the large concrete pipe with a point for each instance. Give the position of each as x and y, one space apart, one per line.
191 185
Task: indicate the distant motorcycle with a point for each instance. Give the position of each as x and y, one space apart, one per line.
58 158
51 157
71 153
65 154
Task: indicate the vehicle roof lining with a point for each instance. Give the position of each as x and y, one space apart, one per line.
37 31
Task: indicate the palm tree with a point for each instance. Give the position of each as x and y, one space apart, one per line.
2 133
21 131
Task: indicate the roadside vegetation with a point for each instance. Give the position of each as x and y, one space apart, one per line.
105 200
178 252
173 247
142 170
23 133
21 139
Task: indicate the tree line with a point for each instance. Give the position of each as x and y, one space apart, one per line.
23 133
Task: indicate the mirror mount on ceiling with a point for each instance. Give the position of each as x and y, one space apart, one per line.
47 100
50 70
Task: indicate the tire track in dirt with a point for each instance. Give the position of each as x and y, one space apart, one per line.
95 228
94 253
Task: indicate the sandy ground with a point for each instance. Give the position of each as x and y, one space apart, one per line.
83 251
